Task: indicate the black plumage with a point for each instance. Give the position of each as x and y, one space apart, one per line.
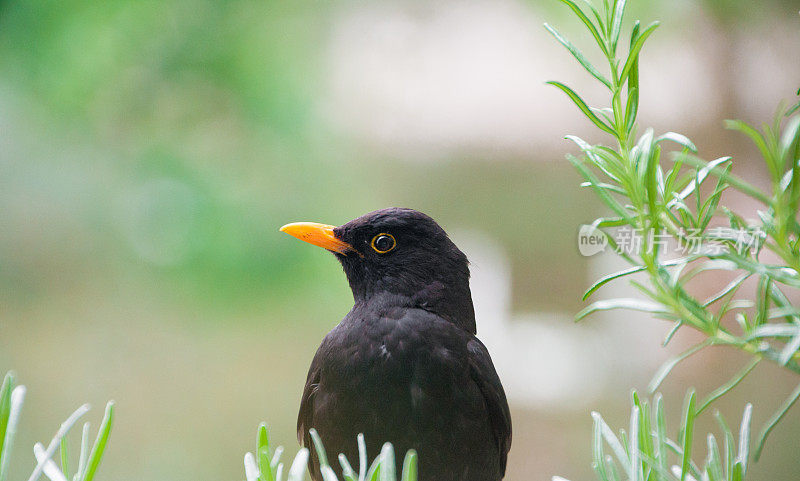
404 364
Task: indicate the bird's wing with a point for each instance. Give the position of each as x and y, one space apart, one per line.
485 376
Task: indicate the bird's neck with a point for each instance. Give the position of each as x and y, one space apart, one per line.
453 303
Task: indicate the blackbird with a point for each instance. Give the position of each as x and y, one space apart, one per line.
404 364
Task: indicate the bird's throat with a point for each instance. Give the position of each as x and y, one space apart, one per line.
453 303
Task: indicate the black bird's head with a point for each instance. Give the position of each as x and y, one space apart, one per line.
398 256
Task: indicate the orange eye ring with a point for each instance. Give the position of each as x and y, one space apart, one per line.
379 244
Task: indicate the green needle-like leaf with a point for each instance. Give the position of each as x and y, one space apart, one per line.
729 445
714 463
613 442
599 464
16 398
610 277
633 55
679 139
588 23
374 470
779 414
250 468
791 348
262 453
729 289
760 142
276 459
410 466
583 107
616 24
790 135
347 470
84 454
388 471
321 455
671 363
743 454
100 443
362 457
597 17
328 474
720 171
53 445
578 56
631 108
602 193
687 431
661 434
5 410
64 458
633 446
623 303
732 383
297 470
616 275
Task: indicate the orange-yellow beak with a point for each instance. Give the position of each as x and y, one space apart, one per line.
320 235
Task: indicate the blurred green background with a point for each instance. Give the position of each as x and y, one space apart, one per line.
150 150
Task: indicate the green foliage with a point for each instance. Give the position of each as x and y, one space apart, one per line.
266 466
646 453
795 107
11 400
679 202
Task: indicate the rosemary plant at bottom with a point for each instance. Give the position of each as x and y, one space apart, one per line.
12 398
266 465
679 202
645 452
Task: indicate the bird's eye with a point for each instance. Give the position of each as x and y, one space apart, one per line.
383 243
